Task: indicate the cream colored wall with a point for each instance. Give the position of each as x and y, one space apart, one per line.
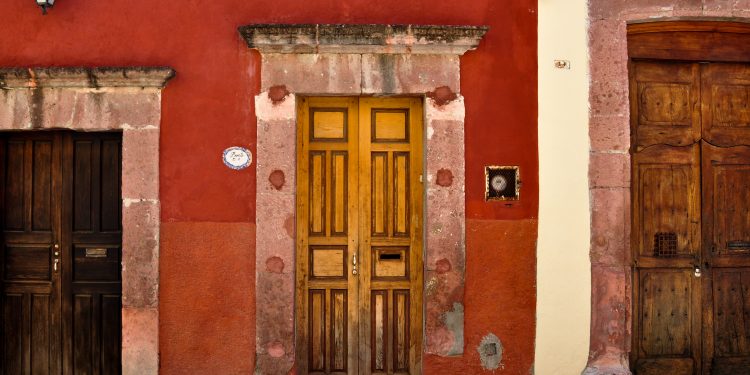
563 273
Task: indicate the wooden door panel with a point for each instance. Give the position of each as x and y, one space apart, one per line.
667 324
726 193
30 277
358 213
93 252
726 233
664 101
61 253
326 236
726 104
731 292
666 321
391 200
666 193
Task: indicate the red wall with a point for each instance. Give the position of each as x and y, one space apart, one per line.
207 256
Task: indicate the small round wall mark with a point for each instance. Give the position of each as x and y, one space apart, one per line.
276 178
237 157
444 177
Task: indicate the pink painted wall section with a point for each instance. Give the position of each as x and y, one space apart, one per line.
609 169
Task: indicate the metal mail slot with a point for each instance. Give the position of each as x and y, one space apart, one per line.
738 245
96 252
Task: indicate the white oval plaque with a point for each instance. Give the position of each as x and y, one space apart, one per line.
237 158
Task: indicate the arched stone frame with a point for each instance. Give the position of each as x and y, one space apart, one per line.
106 99
354 60
610 168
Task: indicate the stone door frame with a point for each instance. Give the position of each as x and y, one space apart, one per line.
109 99
610 174
358 60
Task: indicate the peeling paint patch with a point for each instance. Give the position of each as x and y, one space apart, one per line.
278 93
276 349
442 266
491 352
276 178
442 95
444 177
454 322
275 265
289 226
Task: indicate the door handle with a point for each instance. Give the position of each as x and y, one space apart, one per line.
354 264
57 259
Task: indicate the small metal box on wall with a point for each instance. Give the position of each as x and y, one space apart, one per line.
502 183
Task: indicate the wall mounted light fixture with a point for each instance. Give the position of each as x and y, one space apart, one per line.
45 4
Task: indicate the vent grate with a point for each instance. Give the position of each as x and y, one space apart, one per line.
665 244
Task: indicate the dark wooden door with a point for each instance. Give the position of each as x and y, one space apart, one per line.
691 217
61 253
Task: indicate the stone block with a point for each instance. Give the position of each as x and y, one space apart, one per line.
276 150
608 52
609 133
268 110
610 226
610 314
14 109
140 341
609 98
140 164
275 322
451 111
409 74
140 254
313 73
273 240
609 170
724 8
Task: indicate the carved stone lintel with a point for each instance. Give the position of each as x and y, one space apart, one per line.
24 78
379 39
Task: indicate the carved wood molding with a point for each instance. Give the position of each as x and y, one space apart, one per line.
353 39
77 77
690 39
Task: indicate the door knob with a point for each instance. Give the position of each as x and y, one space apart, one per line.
55 264
354 264
697 270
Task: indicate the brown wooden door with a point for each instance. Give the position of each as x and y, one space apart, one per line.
691 221
61 253
359 236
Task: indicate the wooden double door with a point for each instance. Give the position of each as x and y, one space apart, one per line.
359 236
61 239
691 217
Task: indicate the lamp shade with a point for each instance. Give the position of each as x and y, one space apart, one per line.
45 4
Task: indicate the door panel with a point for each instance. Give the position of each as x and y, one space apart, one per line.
391 205
666 234
726 228
31 280
359 246
726 104
61 253
664 105
327 236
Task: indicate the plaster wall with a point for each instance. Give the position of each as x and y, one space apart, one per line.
563 266
207 255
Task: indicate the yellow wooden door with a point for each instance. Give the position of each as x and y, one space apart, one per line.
359 236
